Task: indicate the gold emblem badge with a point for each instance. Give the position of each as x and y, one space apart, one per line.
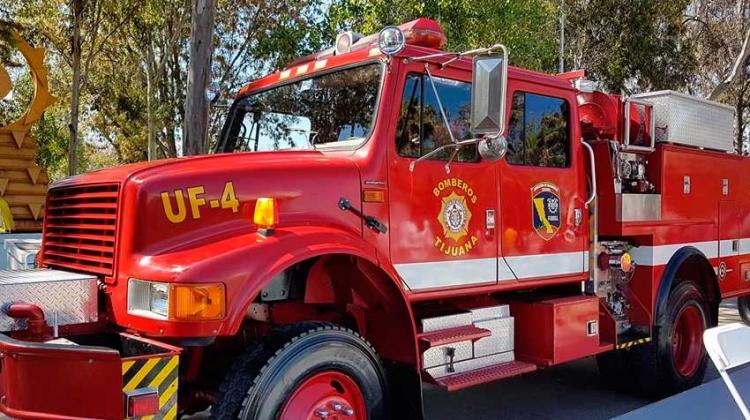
455 217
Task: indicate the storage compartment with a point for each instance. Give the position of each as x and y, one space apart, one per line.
66 298
554 331
691 121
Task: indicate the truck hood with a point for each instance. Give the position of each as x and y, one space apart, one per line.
122 173
177 204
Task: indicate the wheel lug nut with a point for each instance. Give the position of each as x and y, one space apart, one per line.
337 407
322 413
347 411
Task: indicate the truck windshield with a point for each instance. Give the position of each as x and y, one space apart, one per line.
334 109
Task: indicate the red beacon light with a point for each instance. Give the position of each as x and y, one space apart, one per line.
425 33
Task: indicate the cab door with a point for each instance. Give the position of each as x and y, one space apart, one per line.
442 215
544 231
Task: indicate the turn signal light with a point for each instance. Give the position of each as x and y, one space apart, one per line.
198 302
266 213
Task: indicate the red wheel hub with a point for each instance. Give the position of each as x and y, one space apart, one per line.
687 341
326 395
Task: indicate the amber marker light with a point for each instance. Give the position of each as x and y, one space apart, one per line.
373 196
266 214
192 302
626 262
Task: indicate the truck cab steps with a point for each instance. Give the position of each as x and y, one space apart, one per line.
469 347
453 335
483 375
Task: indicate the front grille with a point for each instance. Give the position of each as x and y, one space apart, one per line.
79 228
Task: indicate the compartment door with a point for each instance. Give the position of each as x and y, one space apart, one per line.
727 269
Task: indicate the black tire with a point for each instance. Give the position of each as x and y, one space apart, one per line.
654 365
263 379
743 306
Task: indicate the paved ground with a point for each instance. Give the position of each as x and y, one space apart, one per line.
570 391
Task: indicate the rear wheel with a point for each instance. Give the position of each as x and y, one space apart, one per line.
743 305
305 371
676 359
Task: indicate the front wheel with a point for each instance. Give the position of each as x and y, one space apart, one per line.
743 305
305 371
676 360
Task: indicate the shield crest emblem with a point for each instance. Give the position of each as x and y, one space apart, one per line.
545 209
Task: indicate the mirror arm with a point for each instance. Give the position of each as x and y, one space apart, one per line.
456 145
440 104
450 160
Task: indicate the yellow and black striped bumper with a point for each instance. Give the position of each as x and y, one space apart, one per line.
158 372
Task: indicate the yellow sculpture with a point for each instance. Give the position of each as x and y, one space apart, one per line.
23 183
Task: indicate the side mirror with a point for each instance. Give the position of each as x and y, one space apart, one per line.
493 148
488 94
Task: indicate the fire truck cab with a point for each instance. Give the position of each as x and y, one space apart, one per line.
377 216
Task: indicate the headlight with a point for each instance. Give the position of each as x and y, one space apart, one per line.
176 301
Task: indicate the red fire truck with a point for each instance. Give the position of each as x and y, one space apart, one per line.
378 216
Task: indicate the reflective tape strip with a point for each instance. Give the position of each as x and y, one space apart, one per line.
139 373
726 248
660 254
630 344
424 275
157 373
547 265
449 273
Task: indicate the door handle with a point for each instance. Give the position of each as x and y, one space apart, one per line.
489 223
590 150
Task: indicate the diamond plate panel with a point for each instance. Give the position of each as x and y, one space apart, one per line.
684 119
490 312
71 296
500 341
436 356
460 319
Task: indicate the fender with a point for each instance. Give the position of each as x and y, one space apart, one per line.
245 270
669 278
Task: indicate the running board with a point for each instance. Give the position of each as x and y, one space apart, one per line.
483 375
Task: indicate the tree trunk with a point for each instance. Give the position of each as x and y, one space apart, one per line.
199 75
150 115
75 101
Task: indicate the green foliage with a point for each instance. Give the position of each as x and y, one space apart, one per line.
631 45
526 27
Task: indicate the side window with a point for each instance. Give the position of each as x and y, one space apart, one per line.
538 133
421 128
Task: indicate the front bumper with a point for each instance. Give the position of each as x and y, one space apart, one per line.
90 380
